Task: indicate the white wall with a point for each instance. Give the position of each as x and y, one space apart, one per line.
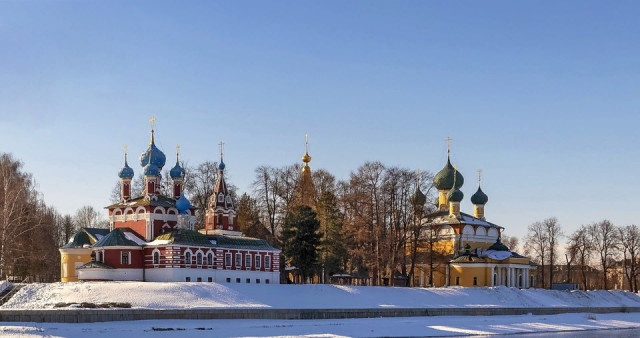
218 276
110 274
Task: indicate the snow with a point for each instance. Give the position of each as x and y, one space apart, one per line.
130 236
367 327
215 295
159 242
497 255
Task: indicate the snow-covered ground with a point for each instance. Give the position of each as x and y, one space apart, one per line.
213 295
373 327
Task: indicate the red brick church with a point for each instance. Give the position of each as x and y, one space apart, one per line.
151 236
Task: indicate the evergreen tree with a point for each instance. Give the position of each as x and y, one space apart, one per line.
249 218
333 250
300 239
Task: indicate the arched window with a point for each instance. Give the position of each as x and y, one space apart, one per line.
199 258
210 258
156 258
187 258
221 198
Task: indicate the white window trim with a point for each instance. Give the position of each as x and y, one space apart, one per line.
267 262
248 260
184 258
153 254
238 259
228 260
258 262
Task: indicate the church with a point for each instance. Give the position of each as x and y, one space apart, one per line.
151 236
469 247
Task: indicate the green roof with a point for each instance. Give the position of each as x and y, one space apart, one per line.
455 195
96 233
479 197
236 242
498 246
185 237
467 258
78 240
115 238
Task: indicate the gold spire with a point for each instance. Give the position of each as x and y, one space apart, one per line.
479 176
153 126
221 144
306 158
448 139
177 152
125 153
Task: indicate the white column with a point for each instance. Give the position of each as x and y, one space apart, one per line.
512 277
446 281
421 277
507 275
525 278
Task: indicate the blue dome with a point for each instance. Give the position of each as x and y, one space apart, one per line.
183 204
156 155
221 166
151 170
126 171
177 171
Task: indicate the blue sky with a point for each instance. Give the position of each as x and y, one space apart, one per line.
543 96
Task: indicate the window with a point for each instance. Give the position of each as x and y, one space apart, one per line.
475 280
124 258
457 280
210 258
209 279
495 279
267 262
199 258
247 261
218 219
199 279
228 280
100 256
258 261
156 258
266 281
227 260
257 280
221 198
187 279
238 260
187 258
237 280
248 280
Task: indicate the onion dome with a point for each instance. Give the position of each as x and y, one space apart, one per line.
177 171
221 166
151 170
455 195
445 179
498 246
418 198
479 197
183 204
306 158
153 155
126 171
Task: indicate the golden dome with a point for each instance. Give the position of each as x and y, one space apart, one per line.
306 168
306 158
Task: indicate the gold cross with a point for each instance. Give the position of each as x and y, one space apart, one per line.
448 139
177 152
306 143
153 122
221 144
479 176
125 152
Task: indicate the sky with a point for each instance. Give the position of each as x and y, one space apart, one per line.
543 96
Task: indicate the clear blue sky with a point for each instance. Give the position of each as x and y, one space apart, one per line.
543 96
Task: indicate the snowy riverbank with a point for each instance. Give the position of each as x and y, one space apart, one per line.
579 323
212 295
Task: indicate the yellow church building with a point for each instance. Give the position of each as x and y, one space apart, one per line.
468 246
77 252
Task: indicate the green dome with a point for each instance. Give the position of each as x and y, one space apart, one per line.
418 198
444 178
479 197
455 195
498 246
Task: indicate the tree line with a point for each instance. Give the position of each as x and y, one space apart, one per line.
368 225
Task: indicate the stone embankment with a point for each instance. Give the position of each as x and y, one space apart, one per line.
106 315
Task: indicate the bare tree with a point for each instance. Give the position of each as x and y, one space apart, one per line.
581 247
199 184
265 190
553 235
511 242
537 243
89 217
629 238
603 237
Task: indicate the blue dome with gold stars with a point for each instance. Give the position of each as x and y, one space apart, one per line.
126 171
156 155
177 171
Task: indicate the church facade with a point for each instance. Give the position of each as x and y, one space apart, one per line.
152 237
468 246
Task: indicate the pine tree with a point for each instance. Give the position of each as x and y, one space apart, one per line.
300 239
333 251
